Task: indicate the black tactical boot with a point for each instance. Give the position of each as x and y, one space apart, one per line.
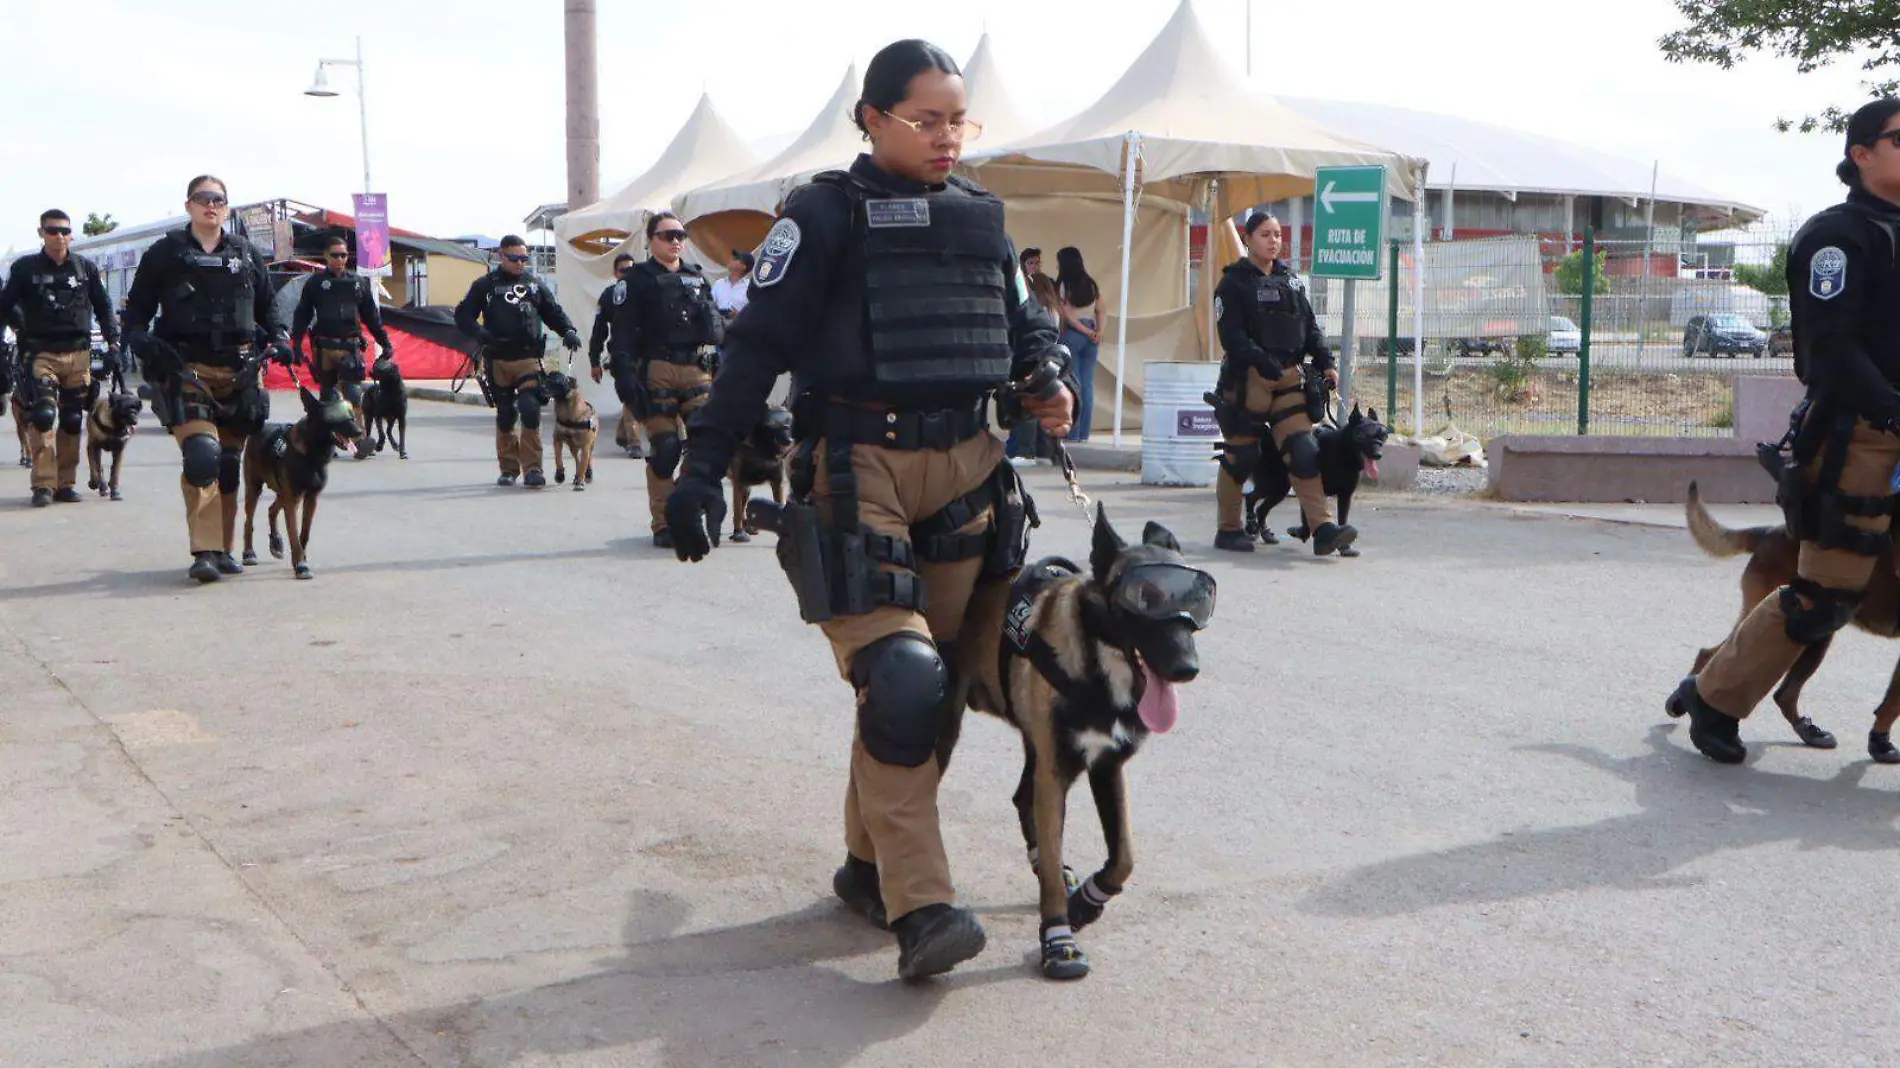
1880 747
1718 736
1234 541
42 497
204 567
855 883
662 539
534 480
1331 537
936 938
67 495
228 566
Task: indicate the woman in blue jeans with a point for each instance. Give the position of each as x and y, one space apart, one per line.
1081 310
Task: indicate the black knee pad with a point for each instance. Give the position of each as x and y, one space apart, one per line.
664 457
1240 461
1833 609
72 409
900 711
1302 455
528 403
353 392
202 456
42 410
506 414
228 467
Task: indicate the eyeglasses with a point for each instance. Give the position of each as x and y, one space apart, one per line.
57 231
960 129
1167 591
669 235
208 200
1892 137
512 257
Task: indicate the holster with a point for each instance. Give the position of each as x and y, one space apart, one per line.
801 542
1314 384
250 409
1014 513
164 401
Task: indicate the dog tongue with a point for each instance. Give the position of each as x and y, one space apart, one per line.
1160 706
1372 469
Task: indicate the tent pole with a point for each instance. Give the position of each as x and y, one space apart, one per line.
1418 301
1131 150
1208 266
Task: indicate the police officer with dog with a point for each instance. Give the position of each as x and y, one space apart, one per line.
1267 329
903 508
332 309
504 309
57 296
203 359
1841 468
666 324
628 434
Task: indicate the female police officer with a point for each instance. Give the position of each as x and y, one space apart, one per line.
212 296
892 294
1267 328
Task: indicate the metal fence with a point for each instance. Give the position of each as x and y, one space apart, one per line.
1521 339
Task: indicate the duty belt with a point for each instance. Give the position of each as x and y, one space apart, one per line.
213 350
684 357
944 428
338 342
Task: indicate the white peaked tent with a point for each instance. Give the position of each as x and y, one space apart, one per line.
990 101
588 239
1179 119
736 210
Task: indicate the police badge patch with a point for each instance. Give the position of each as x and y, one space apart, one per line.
775 255
1220 308
620 291
1827 273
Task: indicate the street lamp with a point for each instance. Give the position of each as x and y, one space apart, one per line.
320 87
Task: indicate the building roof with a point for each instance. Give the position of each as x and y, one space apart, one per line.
436 246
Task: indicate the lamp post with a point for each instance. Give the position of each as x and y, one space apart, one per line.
320 87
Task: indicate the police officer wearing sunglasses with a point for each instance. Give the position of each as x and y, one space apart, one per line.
892 294
57 296
1839 474
333 308
212 295
504 309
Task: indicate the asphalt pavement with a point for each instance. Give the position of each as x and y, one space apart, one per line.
504 785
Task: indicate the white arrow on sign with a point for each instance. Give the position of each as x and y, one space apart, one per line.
1327 198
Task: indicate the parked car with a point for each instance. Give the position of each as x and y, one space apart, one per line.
1564 336
1720 335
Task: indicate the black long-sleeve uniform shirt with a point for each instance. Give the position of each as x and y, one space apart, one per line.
1266 321
42 331
824 276
472 319
364 299
1844 296
163 266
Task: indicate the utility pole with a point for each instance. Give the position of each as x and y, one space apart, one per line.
583 105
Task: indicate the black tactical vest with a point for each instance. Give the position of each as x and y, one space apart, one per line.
211 292
336 305
510 313
56 305
1277 318
688 316
934 284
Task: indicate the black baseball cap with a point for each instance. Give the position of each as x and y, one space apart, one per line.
1864 128
624 257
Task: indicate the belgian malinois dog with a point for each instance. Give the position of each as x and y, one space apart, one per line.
113 420
760 461
386 409
294 461
1085 665
576 429
1772 563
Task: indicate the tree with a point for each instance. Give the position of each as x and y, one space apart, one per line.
1772 279
1813 33
1569 274
97 224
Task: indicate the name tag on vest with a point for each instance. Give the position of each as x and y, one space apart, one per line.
889 214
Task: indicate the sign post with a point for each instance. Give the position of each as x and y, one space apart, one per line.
1348 238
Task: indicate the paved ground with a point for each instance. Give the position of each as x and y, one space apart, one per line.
505 786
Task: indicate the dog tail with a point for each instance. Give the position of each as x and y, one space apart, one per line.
1714 538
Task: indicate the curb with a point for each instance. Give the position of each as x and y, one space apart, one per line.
431 393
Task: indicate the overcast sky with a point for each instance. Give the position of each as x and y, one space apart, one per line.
114 109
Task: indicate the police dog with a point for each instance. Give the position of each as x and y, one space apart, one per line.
576 429
1346 453
760 461
1772 563
113 420
294 461
385 410
1085 665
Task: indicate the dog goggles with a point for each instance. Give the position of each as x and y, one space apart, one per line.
1167 591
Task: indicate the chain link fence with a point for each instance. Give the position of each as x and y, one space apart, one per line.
1517 343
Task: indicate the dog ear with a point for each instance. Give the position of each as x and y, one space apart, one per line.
1372 414
310 401
1107 545
1158 535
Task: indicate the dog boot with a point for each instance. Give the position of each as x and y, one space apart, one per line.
534 480
1062 956
204 567
560 475
1717 735
228 566
67 495
1880 747
1268 537
505 480
662 539
739 535
1331 537
1348 552
855 883
42 497
936 938
1812 734
1234 541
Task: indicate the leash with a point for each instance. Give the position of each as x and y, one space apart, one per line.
1067 464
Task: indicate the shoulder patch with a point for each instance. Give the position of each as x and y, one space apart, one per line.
1297 283
775 255
1827 273
1220 308
620 291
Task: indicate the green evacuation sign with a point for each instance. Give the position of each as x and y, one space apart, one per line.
1349 222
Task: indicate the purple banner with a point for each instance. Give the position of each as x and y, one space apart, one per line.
1195 423
372 231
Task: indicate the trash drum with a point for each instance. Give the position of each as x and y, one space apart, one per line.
1178 432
